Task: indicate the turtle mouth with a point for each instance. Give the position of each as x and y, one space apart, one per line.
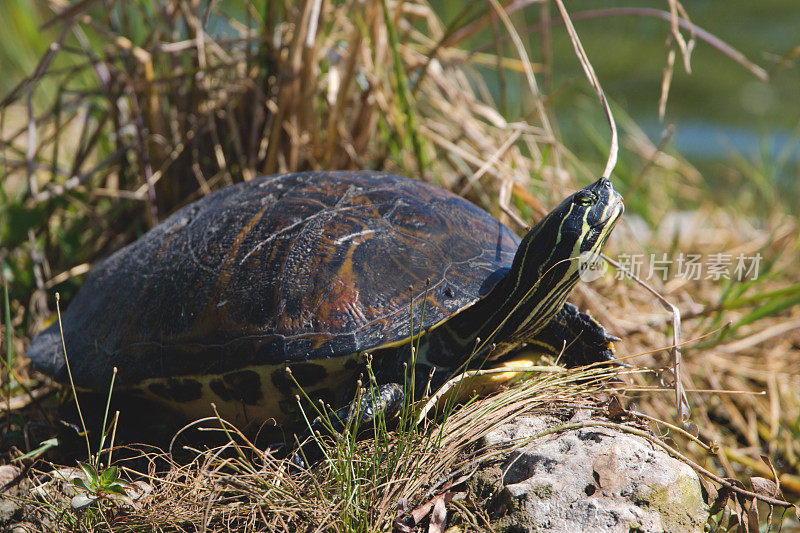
614 212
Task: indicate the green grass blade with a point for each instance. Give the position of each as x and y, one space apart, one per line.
9 332
412 132
769 309
43 447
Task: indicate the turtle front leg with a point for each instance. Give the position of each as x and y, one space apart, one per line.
386 399
585 339
362 412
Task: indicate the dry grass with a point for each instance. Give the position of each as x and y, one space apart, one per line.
239 486
756 356
135 113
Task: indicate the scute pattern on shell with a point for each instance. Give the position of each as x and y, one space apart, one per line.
283 268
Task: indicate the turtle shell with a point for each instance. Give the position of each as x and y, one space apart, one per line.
275 271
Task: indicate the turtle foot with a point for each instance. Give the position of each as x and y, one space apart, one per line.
384 401
583 340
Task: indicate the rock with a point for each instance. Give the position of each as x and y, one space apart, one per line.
22 528
11 502
60 482
586 479
8 473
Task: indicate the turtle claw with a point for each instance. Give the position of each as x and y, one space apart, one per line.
386 399
585 341
298 460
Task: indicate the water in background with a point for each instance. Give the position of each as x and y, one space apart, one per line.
720 110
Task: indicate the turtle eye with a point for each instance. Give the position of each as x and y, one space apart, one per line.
585 199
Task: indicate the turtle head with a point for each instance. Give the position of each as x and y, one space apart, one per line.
546 267
569 237
585 220
553 254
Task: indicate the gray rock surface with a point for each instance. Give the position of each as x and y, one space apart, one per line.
586 479
12 498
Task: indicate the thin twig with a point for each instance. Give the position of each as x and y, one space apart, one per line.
681 402
589 71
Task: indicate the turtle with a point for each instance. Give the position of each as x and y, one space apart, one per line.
296 281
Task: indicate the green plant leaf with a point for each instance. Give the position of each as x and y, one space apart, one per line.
108 476
89 472
81 484
116 488
43 447
17 219
124 484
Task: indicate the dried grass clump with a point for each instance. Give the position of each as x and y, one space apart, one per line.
743 341
205 98
239 486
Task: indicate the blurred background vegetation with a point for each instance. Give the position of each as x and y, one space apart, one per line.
137 111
